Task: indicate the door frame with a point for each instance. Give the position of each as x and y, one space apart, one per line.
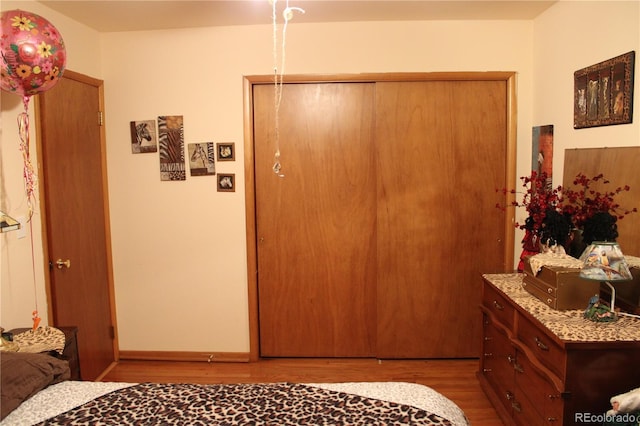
99 84
249 163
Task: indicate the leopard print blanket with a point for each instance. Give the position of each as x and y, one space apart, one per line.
240 404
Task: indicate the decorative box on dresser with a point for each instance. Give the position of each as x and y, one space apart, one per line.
541 366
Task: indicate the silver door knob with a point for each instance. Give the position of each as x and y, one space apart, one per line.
60 263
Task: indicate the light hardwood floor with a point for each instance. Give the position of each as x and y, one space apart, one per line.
455 379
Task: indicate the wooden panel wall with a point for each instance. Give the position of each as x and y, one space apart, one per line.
621 167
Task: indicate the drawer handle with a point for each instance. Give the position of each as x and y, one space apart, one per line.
516 406
541 345
518 368
550 290
509 396
511 359
498 306
552 396
488 354
486 370
551 419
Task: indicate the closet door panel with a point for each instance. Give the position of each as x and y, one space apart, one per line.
316 223
441 152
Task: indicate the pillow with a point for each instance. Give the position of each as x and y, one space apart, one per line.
24 374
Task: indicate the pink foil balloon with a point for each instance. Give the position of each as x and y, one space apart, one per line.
33 53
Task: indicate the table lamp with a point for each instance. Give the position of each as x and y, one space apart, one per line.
604 261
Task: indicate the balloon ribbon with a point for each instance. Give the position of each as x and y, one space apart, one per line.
28 172
30 185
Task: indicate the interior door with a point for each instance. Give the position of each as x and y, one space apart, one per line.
75 206
441 153
316 224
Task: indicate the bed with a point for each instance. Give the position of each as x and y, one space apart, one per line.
35 391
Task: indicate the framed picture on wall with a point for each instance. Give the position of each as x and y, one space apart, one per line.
143 136
226 151
226 182
603 93
542 151
201 159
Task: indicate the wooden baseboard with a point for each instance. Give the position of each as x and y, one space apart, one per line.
185 356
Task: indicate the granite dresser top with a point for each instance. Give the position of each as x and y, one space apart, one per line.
569 325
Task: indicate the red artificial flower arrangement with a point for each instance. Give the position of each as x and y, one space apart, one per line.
553 213
583 203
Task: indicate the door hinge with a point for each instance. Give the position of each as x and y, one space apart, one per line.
100 119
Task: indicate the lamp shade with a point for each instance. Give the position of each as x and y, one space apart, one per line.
604 261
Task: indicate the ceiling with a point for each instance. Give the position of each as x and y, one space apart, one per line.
138 15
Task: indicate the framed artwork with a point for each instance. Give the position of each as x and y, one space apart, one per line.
143 136
542 151
226 151
171 141
201 159
226 182
603 93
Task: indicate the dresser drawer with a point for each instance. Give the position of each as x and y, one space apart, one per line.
498 305
538 390
497 357
546 350
525 413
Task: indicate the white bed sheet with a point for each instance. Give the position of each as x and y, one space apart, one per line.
61 397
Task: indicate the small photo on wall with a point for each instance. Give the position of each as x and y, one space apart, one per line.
226 151
143 136
226 182
202 159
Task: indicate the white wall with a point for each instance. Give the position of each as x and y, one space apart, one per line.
570 36
21 276
179 247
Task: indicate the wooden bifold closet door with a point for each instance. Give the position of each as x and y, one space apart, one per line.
373 241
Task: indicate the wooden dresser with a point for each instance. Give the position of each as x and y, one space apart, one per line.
540 366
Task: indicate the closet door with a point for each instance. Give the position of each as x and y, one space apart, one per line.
441 152
316 226
373 242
